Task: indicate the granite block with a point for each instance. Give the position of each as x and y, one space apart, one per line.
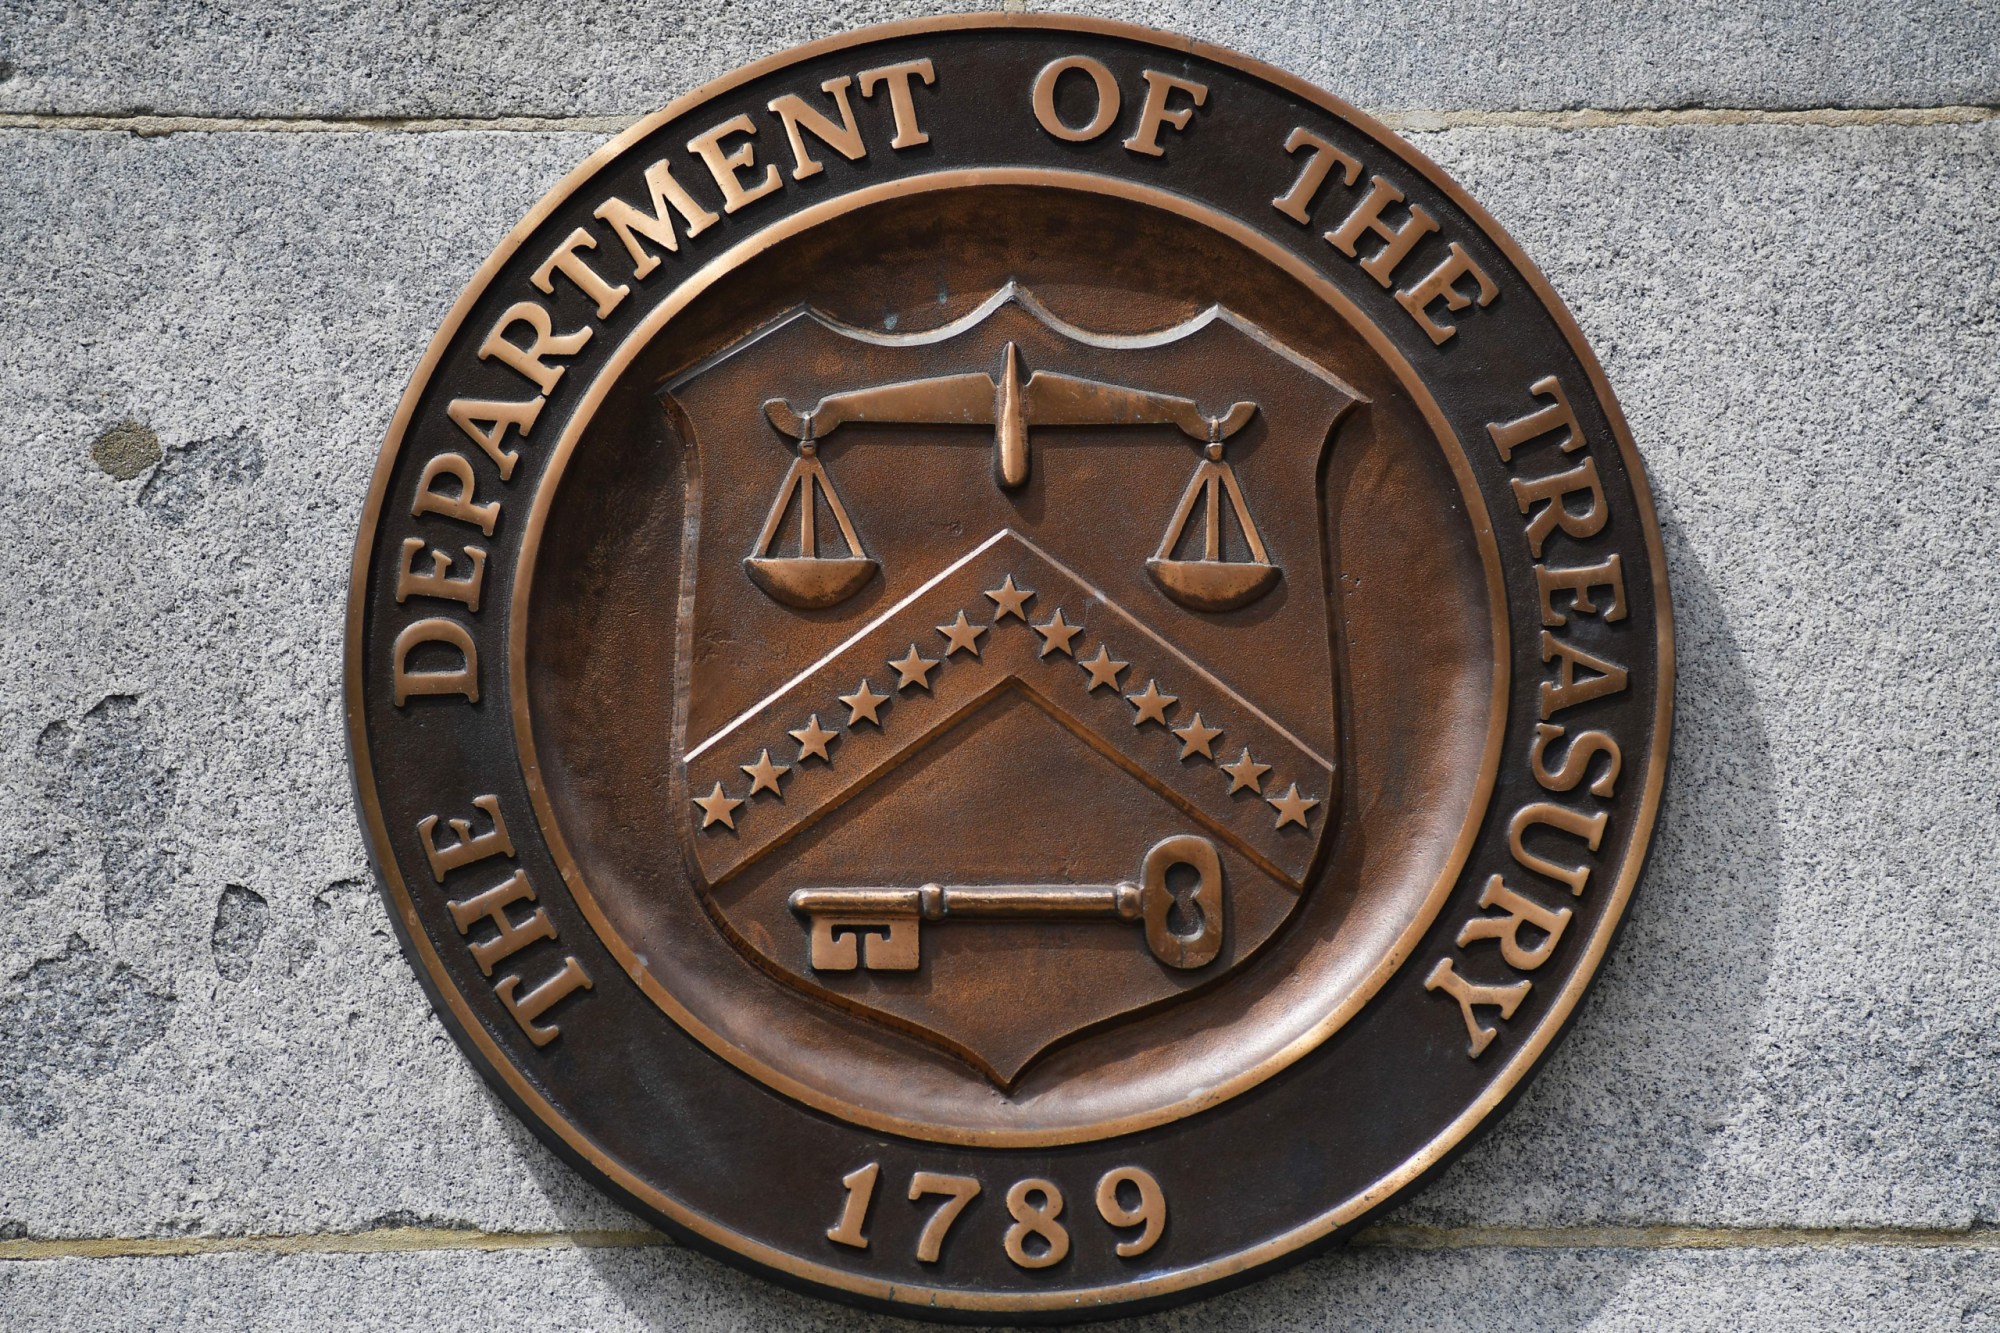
1881 1290
216 1034
627 57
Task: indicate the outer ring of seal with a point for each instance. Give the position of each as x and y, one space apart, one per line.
1228 1270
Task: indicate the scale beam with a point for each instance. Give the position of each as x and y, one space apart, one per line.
1011 406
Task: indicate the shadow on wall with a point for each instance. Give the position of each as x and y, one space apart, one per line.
1616 1130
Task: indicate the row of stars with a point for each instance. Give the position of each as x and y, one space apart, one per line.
865 705
962 636
1196 738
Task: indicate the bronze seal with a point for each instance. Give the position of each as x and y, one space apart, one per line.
1008 668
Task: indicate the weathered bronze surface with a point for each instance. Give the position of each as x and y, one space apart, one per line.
1008 668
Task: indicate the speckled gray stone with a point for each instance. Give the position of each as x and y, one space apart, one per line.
626 57
1879 1290
1793 1027
169 671
1795 1030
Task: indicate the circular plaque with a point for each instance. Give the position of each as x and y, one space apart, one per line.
1008 668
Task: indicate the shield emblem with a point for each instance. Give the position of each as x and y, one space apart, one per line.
1006 700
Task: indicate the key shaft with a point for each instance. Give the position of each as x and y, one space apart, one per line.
935 902
877 928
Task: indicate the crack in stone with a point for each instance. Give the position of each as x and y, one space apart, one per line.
1409 121
405 1239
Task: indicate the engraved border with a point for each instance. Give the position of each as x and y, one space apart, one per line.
1082 182
1291 1245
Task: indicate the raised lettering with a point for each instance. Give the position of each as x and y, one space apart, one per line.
1578 583
1507 929
1590 828
1552 493
527 1008
1045 99
1568 689
1296 203
1155 115
727 165
668 198
799 118
491 905
958 1192
486 423
582 276
901 102
462 679
470 847
860 1186
430 500
1557 416
1442 283
410 584
1583 747
528 359
1150 1216
1397 240
1035 1205
1506 999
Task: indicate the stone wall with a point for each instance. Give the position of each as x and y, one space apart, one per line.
228 234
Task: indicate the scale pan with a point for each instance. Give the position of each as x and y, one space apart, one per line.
810 583
1213 585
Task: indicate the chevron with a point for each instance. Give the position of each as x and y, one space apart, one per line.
1038 656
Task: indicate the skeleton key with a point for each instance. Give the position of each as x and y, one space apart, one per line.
876 929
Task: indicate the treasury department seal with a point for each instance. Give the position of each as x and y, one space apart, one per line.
1008 668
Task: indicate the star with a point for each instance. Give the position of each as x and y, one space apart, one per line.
812 739
1195 738
914 670
1152 705
1246 772
1056 635
764 775
718 807
1011 600
1103 669
1292 807
864 705
963 635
